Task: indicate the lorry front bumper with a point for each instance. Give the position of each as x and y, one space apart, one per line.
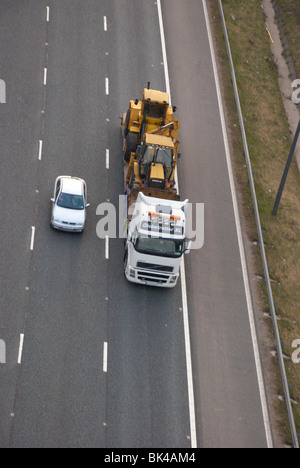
151 278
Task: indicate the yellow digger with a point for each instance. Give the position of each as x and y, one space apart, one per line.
150 146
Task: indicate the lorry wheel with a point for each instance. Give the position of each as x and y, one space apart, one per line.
131 145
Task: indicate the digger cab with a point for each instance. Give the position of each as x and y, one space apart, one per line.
157 160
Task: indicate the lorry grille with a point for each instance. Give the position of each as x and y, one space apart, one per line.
153 277
151 266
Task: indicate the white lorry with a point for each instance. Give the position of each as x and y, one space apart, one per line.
156 241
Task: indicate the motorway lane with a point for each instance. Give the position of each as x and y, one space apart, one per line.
60 399
147 404
147 394
228 405
78 299
21 67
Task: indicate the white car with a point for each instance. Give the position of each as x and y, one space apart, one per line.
69 204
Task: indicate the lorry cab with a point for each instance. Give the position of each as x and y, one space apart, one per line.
156 242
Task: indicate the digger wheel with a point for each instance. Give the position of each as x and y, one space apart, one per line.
126 129
131 145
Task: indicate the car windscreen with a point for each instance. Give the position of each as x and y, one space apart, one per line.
72 202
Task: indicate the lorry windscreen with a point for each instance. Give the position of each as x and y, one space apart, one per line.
158 246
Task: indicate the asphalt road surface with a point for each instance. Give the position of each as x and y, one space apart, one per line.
92 360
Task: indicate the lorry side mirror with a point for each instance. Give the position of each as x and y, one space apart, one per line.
188 247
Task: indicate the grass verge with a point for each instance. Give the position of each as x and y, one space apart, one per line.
269 138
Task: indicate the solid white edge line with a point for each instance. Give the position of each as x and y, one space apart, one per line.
259 372
20 348
32 237
164 49
105 353
40 149
48 14
190 381
107 159
188 353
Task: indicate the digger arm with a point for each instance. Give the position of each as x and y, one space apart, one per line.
170 129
